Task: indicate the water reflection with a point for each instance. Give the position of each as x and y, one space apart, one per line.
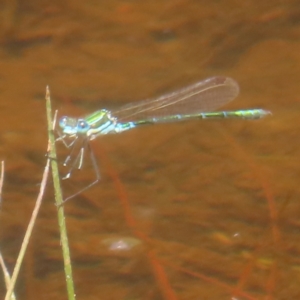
121 244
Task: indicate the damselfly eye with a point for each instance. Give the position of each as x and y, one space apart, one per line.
82 126
63 121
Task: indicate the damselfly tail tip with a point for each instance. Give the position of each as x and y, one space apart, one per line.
257 113
264 113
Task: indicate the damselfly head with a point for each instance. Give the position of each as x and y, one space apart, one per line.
68 125
73 126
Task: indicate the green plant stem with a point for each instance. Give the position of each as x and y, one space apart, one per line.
59 202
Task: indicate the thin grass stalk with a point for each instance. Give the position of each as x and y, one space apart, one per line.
28 233
59 202
5 271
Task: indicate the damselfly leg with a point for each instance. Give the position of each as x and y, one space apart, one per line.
74 161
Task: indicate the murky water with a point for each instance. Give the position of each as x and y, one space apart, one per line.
196 210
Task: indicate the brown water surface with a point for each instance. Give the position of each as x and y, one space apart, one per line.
194 210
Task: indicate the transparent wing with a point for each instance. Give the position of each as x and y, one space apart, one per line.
203 96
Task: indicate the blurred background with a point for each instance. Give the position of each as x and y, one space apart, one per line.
193 210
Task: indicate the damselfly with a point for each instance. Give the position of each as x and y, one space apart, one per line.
196 101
